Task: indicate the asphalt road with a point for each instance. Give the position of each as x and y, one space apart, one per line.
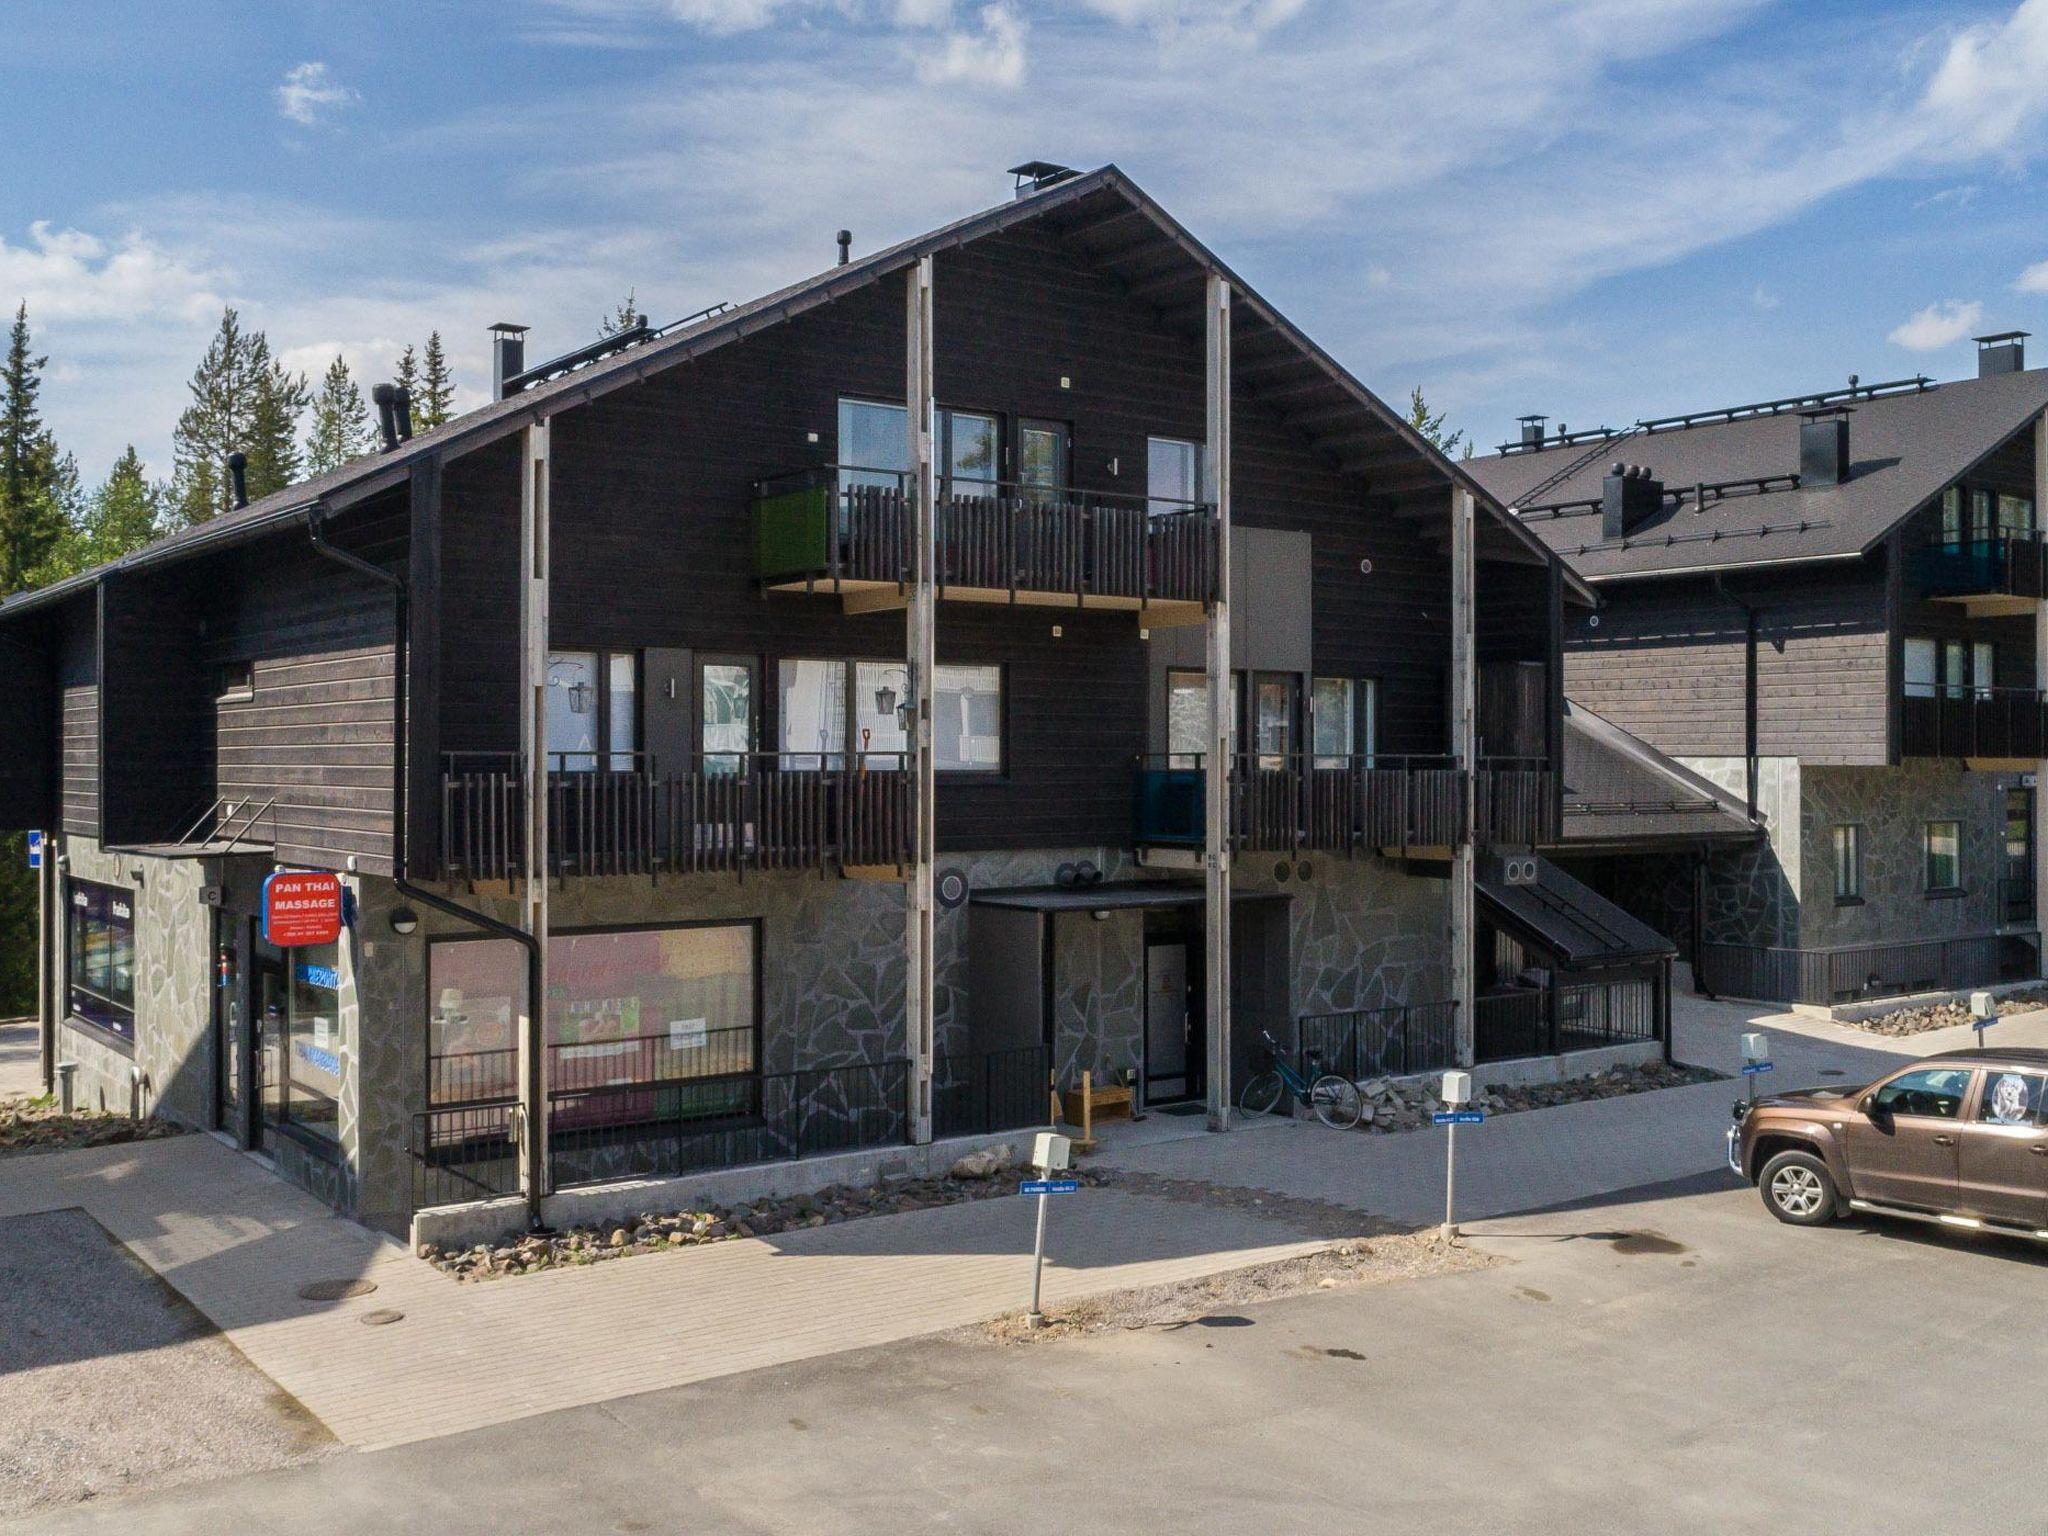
1669 1360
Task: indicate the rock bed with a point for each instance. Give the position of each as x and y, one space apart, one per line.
523 1254
38 1125
1392 1106
1918 1021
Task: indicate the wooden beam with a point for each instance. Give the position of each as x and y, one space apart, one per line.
920 943
1464 743
535 484
1222 725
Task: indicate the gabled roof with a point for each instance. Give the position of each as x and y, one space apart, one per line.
1621 793
1904 448
1106 218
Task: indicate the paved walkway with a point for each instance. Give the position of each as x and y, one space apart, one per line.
21 1059
239 1244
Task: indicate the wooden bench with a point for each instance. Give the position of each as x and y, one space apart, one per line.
1085 1105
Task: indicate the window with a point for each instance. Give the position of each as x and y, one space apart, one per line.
1920 673
237 682
1341 720
1173 474
2016 516
972 461
1983 514
309 1097
1944 872
1848 863
1041 457
652 1024
1954 661
1187 717
874 447
476 995
726 715
1952 515
1273 700
100 957
1936 1092
820 696
2011 1098
1983 668
588 725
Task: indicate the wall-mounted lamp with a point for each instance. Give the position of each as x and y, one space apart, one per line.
404 920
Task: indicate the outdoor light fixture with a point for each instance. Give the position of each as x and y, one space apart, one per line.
885 700
404 920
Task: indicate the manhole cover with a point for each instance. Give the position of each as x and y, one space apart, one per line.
383 1315
336 1290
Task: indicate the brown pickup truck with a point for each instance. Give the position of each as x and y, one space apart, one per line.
1960 1139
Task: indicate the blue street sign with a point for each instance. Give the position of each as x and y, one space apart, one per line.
1459 1117
1048 1186
35 850
1751 1068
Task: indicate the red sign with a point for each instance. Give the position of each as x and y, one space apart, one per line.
301 908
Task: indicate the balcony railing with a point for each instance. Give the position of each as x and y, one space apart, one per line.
1577 1013
2008 562
1863 970
1948 720
728 813
1295 802
846 530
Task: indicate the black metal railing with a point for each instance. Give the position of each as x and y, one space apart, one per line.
729 812
1379 1042
2016 898
1572 1014
464 1152
975 1093
1951 720
1301 802
833 525
1851 972
2007 561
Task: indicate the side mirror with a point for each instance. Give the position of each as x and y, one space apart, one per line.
1869 1105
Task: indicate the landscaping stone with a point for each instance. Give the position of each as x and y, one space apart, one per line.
1917 1021
1391 1106
38 1125
520 1253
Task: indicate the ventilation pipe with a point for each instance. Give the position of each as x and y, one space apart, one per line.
845 246
1532 430
401 405
1629 497
238 477
508 355
386 398
2004 352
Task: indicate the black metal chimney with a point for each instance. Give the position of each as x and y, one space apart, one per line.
401 401
1629 497
1824 447
238 476
1532 430
2003 353
508 355
845 246
386 398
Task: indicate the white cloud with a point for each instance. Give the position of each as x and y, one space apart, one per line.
1991 85
1763 298
1938 326
310 93
992 56
67 275
2034 279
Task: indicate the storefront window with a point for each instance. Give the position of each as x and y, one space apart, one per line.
310 1095
476 992
101 957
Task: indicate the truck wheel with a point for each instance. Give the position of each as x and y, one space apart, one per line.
1798 1188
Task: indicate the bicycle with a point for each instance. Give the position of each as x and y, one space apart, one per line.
1335 1099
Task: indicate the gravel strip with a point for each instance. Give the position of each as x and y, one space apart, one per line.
38 1125
1918 1021
1393 1106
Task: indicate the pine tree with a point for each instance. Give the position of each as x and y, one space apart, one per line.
624 318
273 447
1431 426
435 402
219 420
408 377
125 513
341 422
32 493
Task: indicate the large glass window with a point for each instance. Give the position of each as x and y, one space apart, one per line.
476 994
1943 844
820 696
1187 716
2016 516
1173 474
1954 664
812 712
1983 668
874 445
726 714
967 719
1273 697
573 711
1848 862
100 956
880 689
973 461
310 1095
1333 720
1952 515
1920 669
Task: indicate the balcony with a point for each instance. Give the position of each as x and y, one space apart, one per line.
1947 720
1290 803
727 813
2004 572
820 531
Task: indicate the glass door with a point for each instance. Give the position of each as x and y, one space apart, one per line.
1041 459
1276 700
725 703
269 992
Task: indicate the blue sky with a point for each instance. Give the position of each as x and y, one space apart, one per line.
1595 208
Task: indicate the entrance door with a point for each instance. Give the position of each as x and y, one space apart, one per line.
1173 1044
266 1077
230 1033
2017 897
2004 1164
1903 1150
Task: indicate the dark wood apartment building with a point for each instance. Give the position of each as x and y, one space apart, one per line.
814 697
1828 607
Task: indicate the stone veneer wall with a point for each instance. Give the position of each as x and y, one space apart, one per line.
1753 894
1893 806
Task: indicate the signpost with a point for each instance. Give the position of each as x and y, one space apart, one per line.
1457 1092
35 850
1050 1154
301 907
1756 1060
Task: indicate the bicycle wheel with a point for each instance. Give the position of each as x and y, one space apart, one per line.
1337 1102
1261 1095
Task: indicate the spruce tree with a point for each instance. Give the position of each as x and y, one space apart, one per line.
341 422
273 446
32 493
218 421
624 318
124 514
435 402
1431 425
408 377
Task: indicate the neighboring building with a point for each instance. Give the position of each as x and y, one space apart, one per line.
690 561
1829 608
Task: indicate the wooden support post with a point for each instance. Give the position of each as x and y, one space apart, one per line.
1222 735
2040 681
534 480
49 963
919 926
1464 743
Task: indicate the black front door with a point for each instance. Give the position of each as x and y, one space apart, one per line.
1176 1031
2017 895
